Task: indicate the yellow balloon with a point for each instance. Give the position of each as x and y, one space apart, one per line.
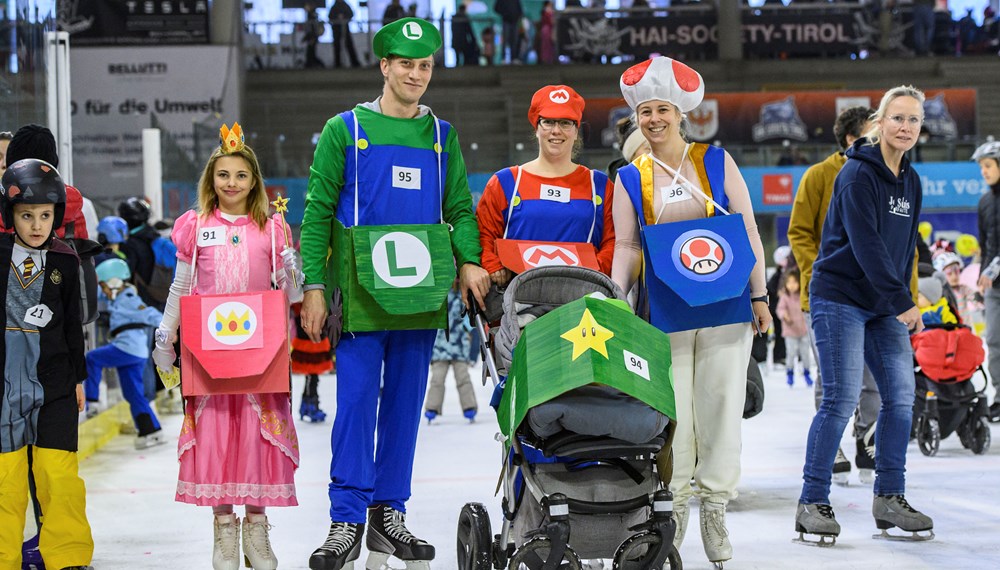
925 229
966 245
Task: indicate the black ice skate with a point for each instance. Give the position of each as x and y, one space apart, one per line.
341 549
893 511
841 468
388 536
865 456
816 519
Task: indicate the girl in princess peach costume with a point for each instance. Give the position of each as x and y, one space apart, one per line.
234 449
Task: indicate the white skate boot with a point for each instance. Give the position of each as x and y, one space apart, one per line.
150 440
714 535
226 555
257 551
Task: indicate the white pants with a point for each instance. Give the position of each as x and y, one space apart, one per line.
710 376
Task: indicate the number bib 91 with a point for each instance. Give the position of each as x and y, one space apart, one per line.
208 237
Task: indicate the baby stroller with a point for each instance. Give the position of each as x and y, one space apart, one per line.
576 484
947 399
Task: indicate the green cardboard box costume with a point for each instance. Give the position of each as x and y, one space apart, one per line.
587 341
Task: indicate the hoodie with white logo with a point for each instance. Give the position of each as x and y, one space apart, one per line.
870 234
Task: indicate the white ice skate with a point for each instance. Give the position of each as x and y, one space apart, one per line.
226 555
150 440
714 535
257 551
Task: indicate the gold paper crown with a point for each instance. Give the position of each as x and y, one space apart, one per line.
231 325
231 139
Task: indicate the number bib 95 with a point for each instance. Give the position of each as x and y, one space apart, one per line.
405 177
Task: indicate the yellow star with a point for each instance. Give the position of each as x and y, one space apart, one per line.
589 334
280 204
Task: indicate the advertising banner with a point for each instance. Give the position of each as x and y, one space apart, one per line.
797 116
114 22
186 92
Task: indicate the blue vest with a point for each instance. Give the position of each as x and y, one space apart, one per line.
696 272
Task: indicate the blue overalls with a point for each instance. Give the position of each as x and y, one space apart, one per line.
381 188
576 220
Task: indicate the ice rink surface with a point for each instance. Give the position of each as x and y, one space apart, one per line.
137 524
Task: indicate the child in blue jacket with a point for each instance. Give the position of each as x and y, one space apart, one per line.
128 350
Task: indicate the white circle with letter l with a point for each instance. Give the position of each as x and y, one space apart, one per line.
412 31
401 259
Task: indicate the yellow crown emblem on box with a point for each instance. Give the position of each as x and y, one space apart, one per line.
231 140
232 325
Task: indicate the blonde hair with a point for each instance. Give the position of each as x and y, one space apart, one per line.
872 134
208 200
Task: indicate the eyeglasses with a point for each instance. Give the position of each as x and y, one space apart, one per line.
549 124
912 120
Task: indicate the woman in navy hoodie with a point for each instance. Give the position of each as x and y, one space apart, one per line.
863 312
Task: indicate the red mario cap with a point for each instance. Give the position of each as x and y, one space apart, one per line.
556 102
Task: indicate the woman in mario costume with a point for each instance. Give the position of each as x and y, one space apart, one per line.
680 181
550 198
233 448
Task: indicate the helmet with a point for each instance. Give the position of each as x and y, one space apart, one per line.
987 150
32 181
115 229
946 258
135 212
114 268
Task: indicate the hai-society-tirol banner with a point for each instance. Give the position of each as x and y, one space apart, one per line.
186 91
797 116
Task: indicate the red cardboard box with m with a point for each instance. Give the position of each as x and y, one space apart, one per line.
235 344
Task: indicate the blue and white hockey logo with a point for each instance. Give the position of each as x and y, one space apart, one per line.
780 120
937 119
701 255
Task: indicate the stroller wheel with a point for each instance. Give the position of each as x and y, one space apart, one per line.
475 538
532 555
980 437
636 553
928 436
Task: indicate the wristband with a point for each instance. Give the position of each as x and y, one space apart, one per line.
761 299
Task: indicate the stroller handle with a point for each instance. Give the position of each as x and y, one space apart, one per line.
476 319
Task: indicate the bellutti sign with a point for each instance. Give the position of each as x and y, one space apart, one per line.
185 91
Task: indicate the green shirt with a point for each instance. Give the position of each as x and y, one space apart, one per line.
326 179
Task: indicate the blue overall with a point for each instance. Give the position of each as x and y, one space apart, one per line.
128 351
579 221
361 473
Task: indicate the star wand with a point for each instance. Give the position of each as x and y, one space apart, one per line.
281 206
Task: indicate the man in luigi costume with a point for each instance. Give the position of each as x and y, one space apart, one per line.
388 218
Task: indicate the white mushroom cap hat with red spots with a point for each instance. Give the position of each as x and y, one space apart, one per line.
662 79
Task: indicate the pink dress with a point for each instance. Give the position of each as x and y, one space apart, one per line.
242 448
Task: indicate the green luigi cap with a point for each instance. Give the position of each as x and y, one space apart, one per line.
408 37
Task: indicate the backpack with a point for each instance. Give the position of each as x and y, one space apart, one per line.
164 264
948 353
